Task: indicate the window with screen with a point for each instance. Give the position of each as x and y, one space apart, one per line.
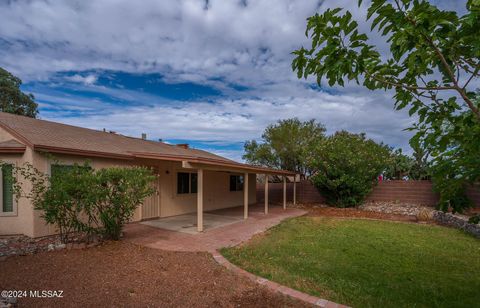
7 188
236 182
187 183
57 169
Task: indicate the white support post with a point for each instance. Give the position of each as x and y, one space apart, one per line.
200 200
266 193
245 196
295 190
284 192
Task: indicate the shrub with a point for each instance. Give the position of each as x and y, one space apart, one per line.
348 166
122 191
78 199
474 219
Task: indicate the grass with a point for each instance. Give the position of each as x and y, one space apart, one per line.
366 263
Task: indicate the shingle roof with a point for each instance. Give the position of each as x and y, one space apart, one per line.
61 138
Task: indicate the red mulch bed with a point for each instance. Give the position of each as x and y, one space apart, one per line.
354 213
120 274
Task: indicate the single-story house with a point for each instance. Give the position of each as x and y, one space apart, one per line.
188 180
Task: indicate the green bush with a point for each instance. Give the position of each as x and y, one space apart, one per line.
78 199
348 167
122 191
69 200
474 219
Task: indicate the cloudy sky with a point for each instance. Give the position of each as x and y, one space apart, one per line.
210 73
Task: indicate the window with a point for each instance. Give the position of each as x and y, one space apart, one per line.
7 188
57 169
236 182
186 183
193 182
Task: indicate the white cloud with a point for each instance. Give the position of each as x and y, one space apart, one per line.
249 45
232 121
87 80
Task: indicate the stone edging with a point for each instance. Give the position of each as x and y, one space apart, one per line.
459 222
275 287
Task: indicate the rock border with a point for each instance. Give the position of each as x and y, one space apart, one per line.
457 221
276 287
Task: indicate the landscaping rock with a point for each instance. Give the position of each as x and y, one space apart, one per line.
399 208
60 246
8 302
24 245
457 221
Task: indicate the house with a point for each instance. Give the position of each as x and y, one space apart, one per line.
188 180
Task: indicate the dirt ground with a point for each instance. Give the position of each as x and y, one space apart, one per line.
120 274
354 213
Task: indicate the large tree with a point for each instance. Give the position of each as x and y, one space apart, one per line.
432 68
12 99
287 144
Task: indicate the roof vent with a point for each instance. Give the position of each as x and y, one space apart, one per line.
144 136
183 145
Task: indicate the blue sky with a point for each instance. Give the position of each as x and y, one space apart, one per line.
210 73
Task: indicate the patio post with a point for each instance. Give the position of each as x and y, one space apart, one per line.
245 195
200 200
284 192
295 189
266 193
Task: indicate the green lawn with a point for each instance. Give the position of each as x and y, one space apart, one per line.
366 263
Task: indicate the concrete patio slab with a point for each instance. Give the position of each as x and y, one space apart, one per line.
187 223
226 235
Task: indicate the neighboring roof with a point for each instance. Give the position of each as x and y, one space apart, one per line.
12 146
55 137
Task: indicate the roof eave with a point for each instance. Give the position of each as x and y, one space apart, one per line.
12 150
211 162
59 150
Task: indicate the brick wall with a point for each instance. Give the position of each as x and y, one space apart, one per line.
404 191
275 192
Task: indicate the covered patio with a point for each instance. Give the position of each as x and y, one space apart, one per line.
187 223
245 169
224 234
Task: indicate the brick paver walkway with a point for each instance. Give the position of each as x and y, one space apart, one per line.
213 239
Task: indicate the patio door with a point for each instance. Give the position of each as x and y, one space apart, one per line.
151 205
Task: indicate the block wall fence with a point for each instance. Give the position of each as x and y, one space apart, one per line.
419 192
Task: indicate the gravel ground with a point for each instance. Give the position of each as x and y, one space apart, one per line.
356 213
397 208
120 274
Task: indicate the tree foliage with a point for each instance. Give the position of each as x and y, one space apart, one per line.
287 144
432 68
348 166
80 199
403 166
12 99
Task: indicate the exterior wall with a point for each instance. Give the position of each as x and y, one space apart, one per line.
216 194
404 191
275 192
419 192
21 221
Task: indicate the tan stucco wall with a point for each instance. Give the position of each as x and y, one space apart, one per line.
21 221
216 191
